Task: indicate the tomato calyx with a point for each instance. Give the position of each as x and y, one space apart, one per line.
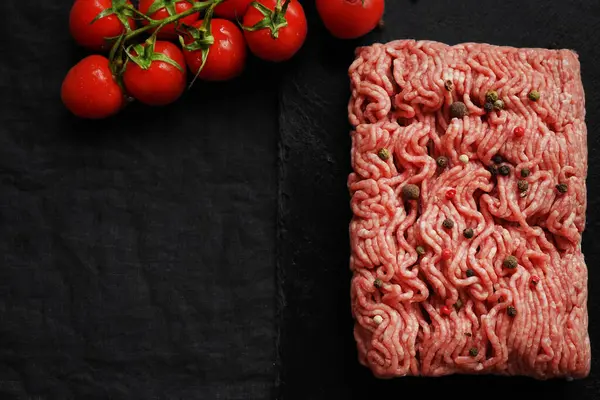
274 20
201 38
121 9
145 55
168 5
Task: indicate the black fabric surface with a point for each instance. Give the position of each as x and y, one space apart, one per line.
318 351
137 255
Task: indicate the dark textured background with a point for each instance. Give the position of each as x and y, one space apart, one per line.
319 356
138 255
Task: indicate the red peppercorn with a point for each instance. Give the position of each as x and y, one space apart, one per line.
534 281
446 254
519 131
450 193
446 310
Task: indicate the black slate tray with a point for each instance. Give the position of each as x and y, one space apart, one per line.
318 355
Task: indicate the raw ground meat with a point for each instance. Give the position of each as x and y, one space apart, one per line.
429 296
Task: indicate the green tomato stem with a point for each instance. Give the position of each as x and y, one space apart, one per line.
159 24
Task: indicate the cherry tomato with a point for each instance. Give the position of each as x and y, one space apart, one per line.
94 35
90 91
160 83
227 56
170 7
232 9
350 19
290 37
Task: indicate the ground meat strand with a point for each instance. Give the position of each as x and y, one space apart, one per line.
420 333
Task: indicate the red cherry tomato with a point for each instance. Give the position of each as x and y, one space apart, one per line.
171 7
290 37
232 9
349 19
160 83
94 35
227 56
90 91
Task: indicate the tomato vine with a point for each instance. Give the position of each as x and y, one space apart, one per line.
120 53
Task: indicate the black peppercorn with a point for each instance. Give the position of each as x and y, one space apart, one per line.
525 172
562 188
488 107
448 223
470 273
510 262
458 109
468 233
498 159
411 192
378 283
522 185
473 351
493 170
504 170
511 311
442 161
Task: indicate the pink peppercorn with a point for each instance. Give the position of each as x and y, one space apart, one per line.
446 254
519 131
534 281
446 310
450 193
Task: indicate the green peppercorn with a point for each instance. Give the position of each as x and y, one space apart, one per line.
470 273
411 192
458 109
562 188
448 223
504 170
522 185
510 262
498 105
442 161
525 172
473 351
458 305
420 250
448 85
491 96
534 95
384 154
498 159
378 283
511 311
468 233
